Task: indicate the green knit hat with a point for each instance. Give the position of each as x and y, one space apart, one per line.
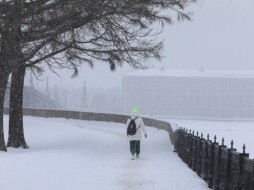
134 110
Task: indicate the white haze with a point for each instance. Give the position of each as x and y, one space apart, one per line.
220 37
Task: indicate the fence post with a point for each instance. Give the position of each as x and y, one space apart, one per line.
246 181
210 173
204 161
190 149
245 166
219 168
176 140
199 155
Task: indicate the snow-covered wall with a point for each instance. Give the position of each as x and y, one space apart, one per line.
190 96
92 116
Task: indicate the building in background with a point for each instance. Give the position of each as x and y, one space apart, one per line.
187 94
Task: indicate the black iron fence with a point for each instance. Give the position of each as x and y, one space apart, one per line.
222 167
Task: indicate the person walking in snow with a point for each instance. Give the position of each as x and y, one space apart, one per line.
135 125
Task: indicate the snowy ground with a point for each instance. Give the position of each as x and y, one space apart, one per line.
77 155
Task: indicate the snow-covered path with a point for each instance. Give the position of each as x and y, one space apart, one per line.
77 155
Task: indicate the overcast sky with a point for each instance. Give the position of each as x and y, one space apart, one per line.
220 37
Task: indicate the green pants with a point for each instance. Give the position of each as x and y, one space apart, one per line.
135 147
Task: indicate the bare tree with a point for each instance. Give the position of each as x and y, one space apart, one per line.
67 33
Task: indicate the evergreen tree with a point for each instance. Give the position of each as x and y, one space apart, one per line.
67 33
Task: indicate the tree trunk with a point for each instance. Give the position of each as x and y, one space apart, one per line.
3 83
16 131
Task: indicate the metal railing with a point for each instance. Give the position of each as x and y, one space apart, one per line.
221 167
